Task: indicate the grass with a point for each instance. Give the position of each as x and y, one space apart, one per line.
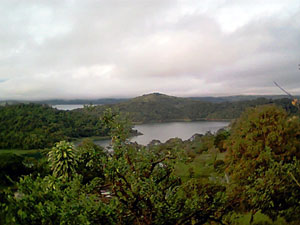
202 167
35 153
259 218
19 151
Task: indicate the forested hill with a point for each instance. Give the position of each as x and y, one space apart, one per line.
237 98
105 101
31 126
162 108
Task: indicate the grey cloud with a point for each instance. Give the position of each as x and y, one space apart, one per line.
82 49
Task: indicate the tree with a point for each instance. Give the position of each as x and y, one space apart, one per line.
34 126
143 186
63 197
62 160
220 139
146 188
37 203
90 158
264 147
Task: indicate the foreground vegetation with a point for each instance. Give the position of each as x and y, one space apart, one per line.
249 174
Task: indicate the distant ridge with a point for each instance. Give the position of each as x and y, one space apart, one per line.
157 107
104 101
236 98
233 98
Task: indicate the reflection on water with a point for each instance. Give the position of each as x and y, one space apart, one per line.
165 131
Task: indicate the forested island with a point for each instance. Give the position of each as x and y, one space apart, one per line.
247 173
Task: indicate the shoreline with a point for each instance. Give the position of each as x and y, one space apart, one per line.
183 120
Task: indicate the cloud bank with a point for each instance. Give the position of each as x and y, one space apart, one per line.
96 49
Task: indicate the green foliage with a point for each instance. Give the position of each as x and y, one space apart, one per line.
273 191
177 182
219 165
62 160
37 202
264 147
90 158
65 197
258 130
33 126
197 144
41 167
220 138
203 168
146 186
11 168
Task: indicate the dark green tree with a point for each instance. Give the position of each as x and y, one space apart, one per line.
264 147
90 161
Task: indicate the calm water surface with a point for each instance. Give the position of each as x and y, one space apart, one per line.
165 131
67 107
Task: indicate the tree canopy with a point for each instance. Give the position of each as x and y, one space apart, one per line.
177 182
264 147
33 126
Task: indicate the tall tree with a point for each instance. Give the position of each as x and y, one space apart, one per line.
264 147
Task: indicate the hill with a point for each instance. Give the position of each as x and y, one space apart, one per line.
32 126
237 98
158 107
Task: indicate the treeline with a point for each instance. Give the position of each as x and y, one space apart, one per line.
162 108
33 126
100 101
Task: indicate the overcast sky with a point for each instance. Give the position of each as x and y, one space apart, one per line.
113 48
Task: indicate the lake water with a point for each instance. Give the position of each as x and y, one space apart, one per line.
67 107
165 131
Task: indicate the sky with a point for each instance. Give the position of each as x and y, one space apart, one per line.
125 48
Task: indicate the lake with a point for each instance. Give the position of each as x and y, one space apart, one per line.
165 131
67 107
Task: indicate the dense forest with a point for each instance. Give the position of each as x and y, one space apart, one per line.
32 126
246 174
163 108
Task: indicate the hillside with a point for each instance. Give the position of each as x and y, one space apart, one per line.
31 126
158 107
237 98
